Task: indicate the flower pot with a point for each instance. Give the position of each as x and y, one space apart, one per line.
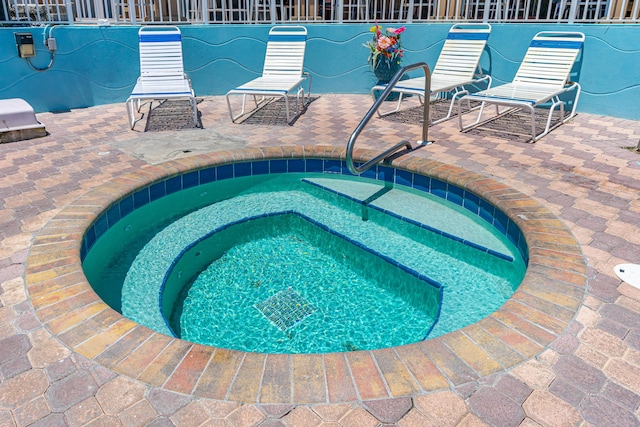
386 68
384 71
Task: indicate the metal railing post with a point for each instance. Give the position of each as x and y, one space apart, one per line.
357 170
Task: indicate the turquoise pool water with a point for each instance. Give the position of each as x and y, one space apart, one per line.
285 286
304 263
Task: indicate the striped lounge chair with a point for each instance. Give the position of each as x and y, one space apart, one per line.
456 70
282 75
162 73
542 80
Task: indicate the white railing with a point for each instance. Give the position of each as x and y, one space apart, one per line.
34 12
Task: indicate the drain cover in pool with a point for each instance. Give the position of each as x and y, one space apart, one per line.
285 309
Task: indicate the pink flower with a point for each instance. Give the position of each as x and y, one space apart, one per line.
384 42
396 31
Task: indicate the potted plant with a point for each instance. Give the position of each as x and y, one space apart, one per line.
385 52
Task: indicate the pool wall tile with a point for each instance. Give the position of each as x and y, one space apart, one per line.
487 211
173 185
345 169
404 178
260 167
157 191
471 202
296 165
332 166
455 194
422 183
385 173
513 233
438 188
501 221
224 172
278 166
241 169
314 166
141 198
208 175
126 206
371 173
113 215
101 226
90 238
190 179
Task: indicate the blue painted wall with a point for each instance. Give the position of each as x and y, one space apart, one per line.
99 65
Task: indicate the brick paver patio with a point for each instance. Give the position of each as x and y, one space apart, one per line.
58 366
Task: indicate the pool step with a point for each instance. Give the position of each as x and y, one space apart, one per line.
423 211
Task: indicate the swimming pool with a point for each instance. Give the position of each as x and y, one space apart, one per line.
194 242
542 307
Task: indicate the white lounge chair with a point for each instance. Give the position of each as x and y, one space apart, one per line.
282 75
456 69
541 80
162 73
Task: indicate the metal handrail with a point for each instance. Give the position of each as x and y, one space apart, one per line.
357 170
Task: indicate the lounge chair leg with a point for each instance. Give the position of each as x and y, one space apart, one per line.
456 95
236 117
461 126
310 77
398 105
129 107
533 123
577 88
547 129
297 106
131 112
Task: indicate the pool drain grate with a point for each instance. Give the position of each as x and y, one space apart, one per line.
285 309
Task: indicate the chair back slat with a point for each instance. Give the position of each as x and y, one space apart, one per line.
550 58
160 53
285 51
461 52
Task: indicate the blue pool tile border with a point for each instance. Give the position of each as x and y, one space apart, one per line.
468 200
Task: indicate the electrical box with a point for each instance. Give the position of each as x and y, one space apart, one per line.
52 44
24 42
